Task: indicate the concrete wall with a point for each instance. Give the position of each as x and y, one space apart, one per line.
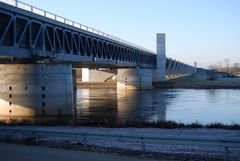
126 79
159 73
130 79
92 75
36 90
101 75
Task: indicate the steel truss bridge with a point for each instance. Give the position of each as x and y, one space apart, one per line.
29 34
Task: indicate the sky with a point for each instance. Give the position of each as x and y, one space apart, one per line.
205 31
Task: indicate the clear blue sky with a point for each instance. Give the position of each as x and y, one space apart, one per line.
206 31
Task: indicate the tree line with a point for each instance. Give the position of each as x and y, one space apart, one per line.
226 66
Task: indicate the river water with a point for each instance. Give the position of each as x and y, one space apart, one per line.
180 105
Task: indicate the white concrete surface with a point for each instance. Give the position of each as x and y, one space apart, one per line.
101 75
132 79
36 89
85 75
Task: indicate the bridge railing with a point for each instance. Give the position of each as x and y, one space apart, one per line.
50 15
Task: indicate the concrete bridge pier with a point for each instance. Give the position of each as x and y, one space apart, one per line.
28 90
132 79
159 74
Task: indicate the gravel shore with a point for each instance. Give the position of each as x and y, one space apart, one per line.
156 151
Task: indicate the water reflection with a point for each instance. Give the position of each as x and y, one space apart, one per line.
109 105
181 105
96 105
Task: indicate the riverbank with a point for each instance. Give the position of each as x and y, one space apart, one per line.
155 151
193 82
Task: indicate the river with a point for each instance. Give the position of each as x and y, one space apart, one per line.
180 105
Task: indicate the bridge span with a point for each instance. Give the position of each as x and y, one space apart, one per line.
29 33
39 50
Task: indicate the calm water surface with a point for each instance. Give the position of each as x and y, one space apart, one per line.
181 105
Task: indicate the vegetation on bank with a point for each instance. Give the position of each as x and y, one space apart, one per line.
226 66
163 124
112 124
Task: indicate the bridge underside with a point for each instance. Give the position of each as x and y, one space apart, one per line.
85 64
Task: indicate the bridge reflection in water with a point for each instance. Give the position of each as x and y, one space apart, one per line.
103 107
111 106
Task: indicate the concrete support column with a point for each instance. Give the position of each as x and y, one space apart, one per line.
36 90
160 73
130 79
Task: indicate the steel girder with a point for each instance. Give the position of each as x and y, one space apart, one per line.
27 35
175 68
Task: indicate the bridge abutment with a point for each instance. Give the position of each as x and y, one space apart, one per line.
132 79
36 90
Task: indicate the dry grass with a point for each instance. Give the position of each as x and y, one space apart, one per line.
113 124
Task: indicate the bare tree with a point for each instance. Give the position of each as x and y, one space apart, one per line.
236 68
219 66
227 61
236 65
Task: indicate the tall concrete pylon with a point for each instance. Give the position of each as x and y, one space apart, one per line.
160 73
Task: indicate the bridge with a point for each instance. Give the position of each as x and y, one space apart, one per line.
30 33
39 49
